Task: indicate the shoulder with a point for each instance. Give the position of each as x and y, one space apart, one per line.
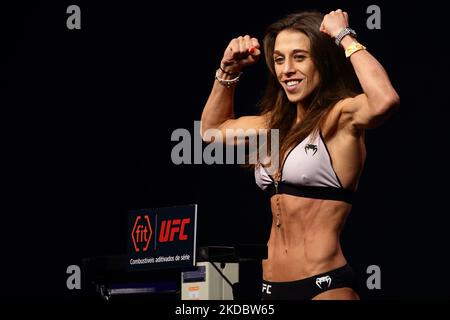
265 118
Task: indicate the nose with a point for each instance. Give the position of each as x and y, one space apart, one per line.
288 67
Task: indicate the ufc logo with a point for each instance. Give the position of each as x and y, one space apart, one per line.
169 228
266 288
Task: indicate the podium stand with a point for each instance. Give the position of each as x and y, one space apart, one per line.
221 273
207 281
108 278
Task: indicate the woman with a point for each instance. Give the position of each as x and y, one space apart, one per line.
311 99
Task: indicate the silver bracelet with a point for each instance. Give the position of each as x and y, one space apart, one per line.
225 82
343 33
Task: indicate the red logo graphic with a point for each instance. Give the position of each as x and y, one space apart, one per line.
170 227
141 233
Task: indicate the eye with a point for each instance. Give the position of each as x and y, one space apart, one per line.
299 57
278 60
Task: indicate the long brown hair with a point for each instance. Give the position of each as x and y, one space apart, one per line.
337 80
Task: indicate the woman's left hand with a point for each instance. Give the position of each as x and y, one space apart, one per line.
334 22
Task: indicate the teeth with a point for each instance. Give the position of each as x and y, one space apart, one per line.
292 83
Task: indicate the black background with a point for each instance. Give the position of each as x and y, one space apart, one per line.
87 118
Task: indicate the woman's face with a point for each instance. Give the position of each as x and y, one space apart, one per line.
294 67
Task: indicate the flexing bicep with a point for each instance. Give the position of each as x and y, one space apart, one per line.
358 113
242 127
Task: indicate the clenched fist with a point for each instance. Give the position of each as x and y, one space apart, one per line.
241 52
334 22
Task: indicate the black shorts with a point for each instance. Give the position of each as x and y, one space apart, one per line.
308 288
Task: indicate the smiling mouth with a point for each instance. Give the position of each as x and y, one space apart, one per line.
293 85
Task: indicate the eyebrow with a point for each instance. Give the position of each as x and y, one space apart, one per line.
294 51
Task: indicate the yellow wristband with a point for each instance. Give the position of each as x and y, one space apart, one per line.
354 47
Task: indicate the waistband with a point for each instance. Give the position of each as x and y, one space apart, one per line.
308 288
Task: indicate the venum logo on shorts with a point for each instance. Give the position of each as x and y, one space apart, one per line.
320 280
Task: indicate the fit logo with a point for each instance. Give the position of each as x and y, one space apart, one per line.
169 228
141 233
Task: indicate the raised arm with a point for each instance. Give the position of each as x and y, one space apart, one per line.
379 99
218 112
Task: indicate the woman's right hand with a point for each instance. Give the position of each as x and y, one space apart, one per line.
241 52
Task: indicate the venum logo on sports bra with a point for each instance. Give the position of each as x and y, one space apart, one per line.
312 147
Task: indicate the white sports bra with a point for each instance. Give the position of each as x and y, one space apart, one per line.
307 171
